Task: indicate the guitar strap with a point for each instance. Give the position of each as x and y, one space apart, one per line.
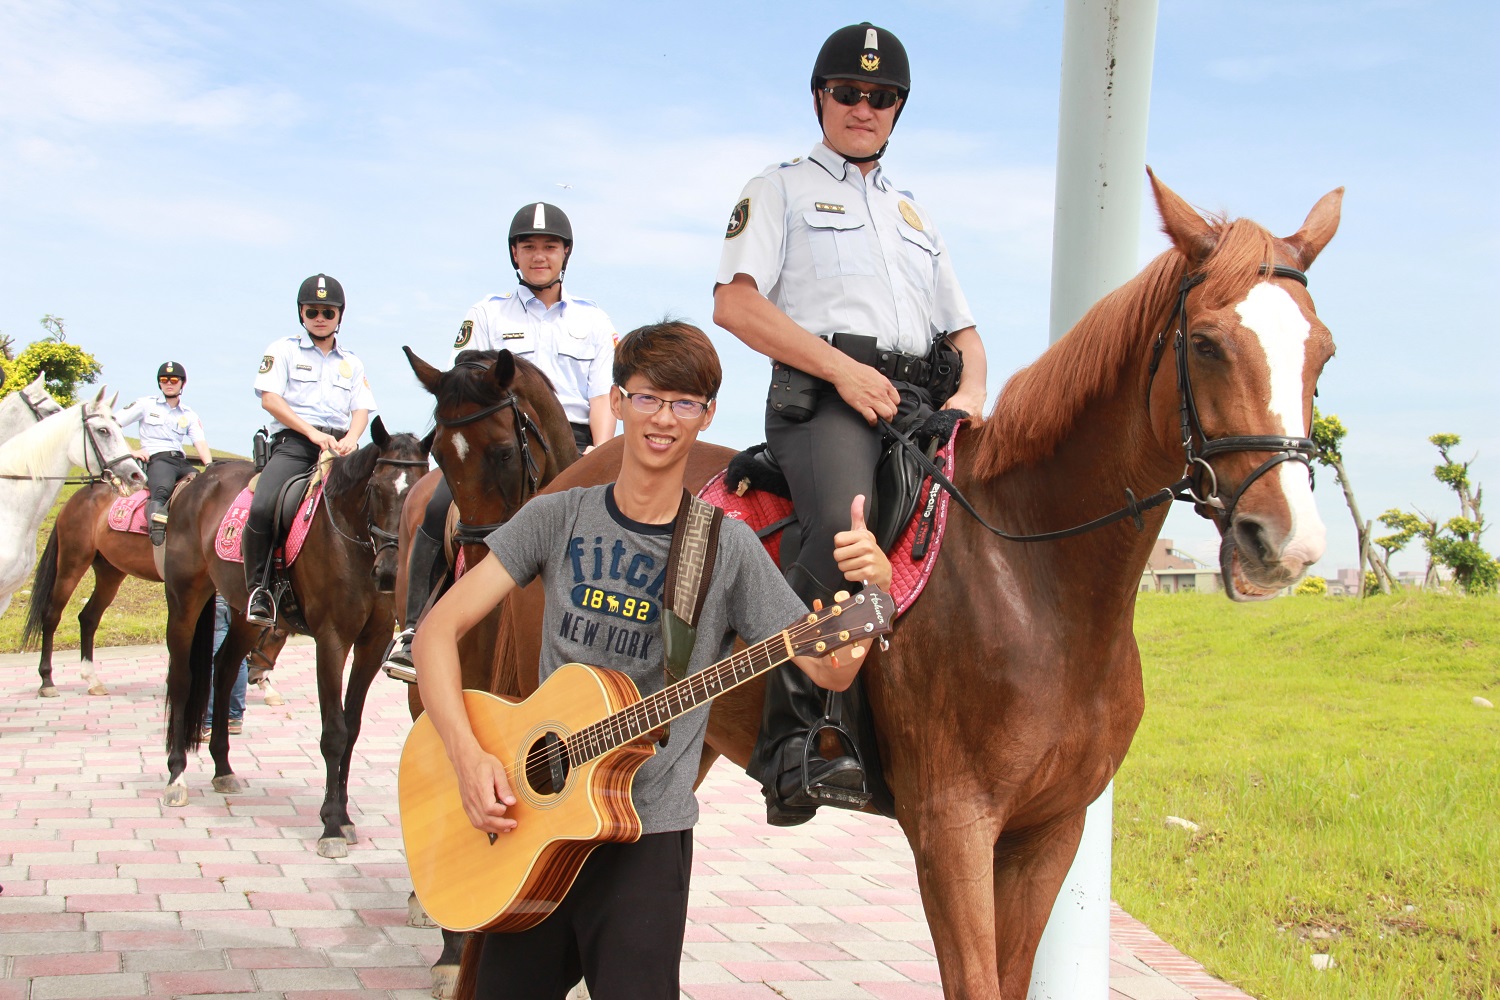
690 567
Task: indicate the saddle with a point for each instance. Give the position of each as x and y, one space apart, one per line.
296 504
906 514
128 514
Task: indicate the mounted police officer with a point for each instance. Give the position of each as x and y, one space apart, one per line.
569 338
319 400
843 281
168 425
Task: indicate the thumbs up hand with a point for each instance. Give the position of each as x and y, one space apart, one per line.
855 551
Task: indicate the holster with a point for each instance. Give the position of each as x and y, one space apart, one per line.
260 448
947 370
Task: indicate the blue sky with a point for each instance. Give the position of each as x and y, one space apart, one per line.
169 172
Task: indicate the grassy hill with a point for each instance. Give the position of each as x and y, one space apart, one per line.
1346 787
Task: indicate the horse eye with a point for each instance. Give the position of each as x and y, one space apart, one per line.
506 454
1205 348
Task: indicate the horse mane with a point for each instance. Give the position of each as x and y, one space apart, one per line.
463 383
355 469
1041 403
33 451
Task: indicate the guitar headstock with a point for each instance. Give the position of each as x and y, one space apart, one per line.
867 614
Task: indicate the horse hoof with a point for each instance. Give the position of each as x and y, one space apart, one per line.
175 795
348 831
229 784
271 696
333 847
445 981
98 689
47 691
417 917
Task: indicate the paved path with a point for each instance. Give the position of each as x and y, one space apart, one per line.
109 894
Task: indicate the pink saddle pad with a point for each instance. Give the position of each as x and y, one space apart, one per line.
227 541
912 557
129 513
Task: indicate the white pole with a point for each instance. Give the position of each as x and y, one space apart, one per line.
1108 48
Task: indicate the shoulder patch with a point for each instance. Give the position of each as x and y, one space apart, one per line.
266 362
465 334
738 219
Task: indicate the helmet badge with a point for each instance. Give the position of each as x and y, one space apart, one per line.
322 288
869 60
540 219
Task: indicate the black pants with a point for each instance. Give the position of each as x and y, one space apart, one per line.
620 929
583 437
162 473
291 454
435 520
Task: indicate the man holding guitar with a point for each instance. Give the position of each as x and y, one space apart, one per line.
602 554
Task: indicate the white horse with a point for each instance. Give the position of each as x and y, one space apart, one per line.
33 467
24 407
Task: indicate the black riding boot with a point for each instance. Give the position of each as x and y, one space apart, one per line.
424 570
793 707
255 546
156 520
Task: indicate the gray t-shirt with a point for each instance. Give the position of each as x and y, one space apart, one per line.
604 575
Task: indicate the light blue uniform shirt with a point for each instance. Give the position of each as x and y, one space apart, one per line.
572 341
324 390
163 426
843 252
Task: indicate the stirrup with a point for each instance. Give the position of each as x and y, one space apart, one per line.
255 619
158 529
398 664
833 795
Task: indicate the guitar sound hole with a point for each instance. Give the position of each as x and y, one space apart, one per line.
547 765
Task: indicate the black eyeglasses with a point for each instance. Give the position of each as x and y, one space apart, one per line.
311 312
683 409
850 96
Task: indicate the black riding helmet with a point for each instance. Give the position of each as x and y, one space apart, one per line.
171 369
541 219
867 53
321 290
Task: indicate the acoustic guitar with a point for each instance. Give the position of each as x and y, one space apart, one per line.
570 752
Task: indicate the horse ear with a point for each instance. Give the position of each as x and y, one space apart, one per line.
426 374
1188 231
430 437
378 433
1322 222
113 400
504 369
102 390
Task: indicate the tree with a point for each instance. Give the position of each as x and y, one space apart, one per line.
66 366
1408 526
1328 433
1312 586
54 327
1474 569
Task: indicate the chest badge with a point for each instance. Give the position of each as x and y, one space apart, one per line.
182 423
823 206
346 369
909 213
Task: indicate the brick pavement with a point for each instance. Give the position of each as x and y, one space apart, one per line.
106 893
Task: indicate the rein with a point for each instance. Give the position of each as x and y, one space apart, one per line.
387 539
474 534
1189 488
106 473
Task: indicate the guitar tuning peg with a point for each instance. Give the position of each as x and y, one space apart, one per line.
885 644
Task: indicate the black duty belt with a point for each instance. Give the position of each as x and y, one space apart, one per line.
897 367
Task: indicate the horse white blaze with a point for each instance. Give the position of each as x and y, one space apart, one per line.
1277 320
460 445
401 484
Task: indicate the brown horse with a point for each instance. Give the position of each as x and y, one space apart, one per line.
1012 689
343 581
82 538
501 436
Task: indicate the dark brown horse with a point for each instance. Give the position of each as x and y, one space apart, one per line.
1012 689
82 538
501 436
343 581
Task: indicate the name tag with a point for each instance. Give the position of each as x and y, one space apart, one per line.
304 368
518 335
823 206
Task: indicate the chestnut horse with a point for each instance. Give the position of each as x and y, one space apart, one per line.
1012 689
342 579
82 538
501 435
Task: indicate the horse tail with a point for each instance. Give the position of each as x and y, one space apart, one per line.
201 667
41 592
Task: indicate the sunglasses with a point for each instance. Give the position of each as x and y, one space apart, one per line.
169 380
311 312
850 96
684 409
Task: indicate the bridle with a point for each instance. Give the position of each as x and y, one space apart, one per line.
387 539
1197 446
525 429
106 473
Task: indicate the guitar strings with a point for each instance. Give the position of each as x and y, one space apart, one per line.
550 754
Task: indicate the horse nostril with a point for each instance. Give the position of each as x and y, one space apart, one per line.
1250 535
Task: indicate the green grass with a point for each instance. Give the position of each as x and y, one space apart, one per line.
1346 787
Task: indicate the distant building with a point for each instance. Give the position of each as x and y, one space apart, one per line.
1172 571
